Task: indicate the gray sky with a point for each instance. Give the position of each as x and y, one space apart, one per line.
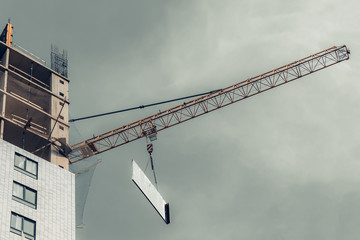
281 165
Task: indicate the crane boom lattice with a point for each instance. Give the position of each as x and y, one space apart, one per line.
208 103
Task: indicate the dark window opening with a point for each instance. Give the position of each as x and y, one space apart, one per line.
24 194
20 224
26 165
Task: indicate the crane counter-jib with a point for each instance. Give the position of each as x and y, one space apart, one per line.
208 103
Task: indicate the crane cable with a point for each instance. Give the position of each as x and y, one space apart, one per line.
142 106
150 149
149 146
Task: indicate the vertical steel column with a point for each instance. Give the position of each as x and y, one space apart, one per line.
2 122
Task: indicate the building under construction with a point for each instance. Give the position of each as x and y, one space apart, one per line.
37 197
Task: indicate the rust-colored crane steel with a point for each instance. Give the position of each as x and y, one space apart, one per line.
208 103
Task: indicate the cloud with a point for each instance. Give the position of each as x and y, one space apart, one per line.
281 165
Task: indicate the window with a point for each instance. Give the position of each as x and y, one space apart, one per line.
61 117
60 103
24 194
61 127
61 94
19 224
26 165
62 82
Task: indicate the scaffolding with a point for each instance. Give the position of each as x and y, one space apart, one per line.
59 62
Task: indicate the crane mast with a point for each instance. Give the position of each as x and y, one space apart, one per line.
208 103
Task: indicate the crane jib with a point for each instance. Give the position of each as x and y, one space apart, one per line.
208 103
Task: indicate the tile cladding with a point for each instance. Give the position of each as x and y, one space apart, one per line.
55 212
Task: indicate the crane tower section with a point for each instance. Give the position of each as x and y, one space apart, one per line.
208 103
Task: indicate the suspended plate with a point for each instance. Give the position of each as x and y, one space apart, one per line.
150 192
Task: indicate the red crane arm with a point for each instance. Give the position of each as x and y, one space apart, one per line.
208 103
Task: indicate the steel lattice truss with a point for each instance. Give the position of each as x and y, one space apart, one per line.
208 103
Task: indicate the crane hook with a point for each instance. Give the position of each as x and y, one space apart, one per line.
150 149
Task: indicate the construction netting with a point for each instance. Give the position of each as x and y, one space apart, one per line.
84 171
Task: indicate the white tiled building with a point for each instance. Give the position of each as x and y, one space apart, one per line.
54 212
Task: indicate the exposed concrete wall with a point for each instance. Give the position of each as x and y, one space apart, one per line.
31 98
55 213
60 87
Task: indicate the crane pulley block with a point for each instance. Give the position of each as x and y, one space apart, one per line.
150 133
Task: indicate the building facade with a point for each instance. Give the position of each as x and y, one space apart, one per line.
36 198
37 190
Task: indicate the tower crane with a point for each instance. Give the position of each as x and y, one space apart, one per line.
149 127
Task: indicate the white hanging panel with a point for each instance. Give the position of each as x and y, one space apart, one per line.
150 192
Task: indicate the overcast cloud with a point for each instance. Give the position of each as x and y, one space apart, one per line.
282 165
